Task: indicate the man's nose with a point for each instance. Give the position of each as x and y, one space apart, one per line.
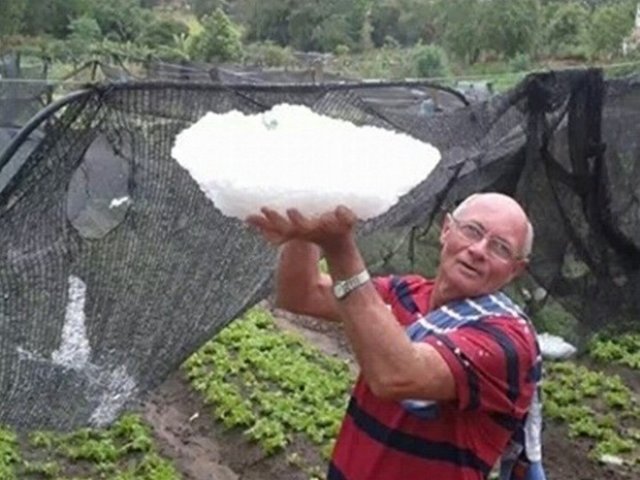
480 248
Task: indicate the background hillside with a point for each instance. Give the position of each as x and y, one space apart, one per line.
361 38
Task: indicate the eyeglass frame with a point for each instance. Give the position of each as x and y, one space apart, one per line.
459 224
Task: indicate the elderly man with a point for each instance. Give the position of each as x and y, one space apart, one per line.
448 366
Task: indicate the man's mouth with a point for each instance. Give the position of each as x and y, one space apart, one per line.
469 268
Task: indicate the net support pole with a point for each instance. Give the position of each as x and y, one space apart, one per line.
35 121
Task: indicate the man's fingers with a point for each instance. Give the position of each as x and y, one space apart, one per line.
277 228
301 222
276 238
277 221
270 235
268 225
346 215
257 221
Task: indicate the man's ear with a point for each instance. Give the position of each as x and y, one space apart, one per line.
519 267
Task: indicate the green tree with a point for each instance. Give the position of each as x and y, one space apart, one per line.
121 20
461 36
565 26
590 5
178 50
320 27
265 20
385 15
359 26
595 4
85 33
430 61
52 17
509 27
609 26
11 16
408 21
331 32
268 54
366 34
220 39
304 25
163 31
200 8
325 25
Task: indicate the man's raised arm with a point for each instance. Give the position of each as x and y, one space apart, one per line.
392 366
300 286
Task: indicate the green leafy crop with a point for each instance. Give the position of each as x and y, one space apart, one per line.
9 454
623 350
594 405
271 384
124 451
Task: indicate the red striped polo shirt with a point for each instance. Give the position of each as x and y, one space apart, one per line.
381 440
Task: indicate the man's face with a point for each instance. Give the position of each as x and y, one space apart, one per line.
481 249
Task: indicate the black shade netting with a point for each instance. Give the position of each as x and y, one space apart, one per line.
565 145
23 92
117 267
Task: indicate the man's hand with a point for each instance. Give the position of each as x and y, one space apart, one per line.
328 230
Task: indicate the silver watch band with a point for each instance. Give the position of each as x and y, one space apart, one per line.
342 288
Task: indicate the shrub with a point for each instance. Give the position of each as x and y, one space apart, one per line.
565 26
163 32
342 50
220 39
268 54
609 26
121 20
430 61
520 63
85 33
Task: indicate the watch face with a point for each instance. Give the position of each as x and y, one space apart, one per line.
339 290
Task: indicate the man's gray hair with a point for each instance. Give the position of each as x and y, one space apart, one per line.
527 245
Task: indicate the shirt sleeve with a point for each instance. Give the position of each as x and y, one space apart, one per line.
492 362
407 296
383 286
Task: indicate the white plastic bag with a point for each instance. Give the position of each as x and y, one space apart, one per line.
555 348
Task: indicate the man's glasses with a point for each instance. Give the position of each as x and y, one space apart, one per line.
474 233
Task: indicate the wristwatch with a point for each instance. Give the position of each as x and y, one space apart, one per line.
342 288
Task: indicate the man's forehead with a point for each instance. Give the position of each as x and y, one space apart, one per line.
483 209
494 207
503 219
